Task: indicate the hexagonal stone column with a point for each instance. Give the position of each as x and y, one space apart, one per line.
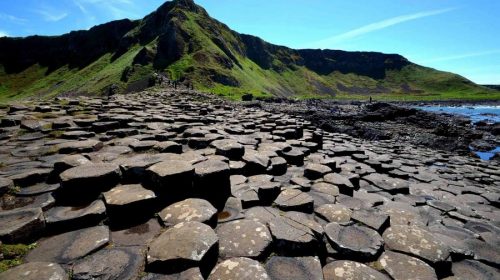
84 183
339 270
129 204
172 180
21 225
243 238
189 210
212 182
284 268
239 268
37 270
183 246
354 242
401 267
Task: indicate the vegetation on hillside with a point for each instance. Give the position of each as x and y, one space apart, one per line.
184 43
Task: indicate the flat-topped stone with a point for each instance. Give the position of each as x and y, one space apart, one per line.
348 270
88 180
21 225
112 263
68 247
183 246
228 148
417 242
403 267
334 213
286 268
239 268
353 241
35 271
295 200
191 209
65 218
243 238
129 203
85 146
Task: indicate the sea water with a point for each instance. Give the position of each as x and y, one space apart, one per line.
490 114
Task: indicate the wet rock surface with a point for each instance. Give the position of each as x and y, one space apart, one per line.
143 186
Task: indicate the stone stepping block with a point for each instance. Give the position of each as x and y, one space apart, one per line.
315 171
239 268
324 193
135 168
371 218
86 182
172 178
212 183
343 183
388 184
233 210
469 269
256 162
303 183
334 213
228 148
348 270
123 132
75 135
35 271
37 189
31 177
68 247
243 238
262 214
403 214
295 200
420 243
5 185
403 267
68 162
85 146
354 242
138 235
65 218
145 145
21 225
32 125
293 156
307 221
484 252
183 246
114 263
189 210
292 238
189 274
129 203
100 127
278 166
289 268
168 147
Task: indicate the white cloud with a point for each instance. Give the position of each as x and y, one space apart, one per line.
328 42
50 14
117 8
461 56
3 34
12 18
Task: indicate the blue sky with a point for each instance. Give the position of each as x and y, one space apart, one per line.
460 36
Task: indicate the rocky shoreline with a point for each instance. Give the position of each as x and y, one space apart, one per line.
395 121
181 185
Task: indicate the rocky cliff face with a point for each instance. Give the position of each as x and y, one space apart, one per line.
183 41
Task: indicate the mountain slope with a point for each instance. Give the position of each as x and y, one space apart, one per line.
181 40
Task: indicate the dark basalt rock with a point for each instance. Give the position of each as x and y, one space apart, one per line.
284 268
21 225
35 270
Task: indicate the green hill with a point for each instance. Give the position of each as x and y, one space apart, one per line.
182 41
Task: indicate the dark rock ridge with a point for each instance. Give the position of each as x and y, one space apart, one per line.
384 121
245 194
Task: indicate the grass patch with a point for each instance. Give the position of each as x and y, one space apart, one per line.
14 254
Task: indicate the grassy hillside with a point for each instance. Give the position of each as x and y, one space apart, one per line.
182 41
